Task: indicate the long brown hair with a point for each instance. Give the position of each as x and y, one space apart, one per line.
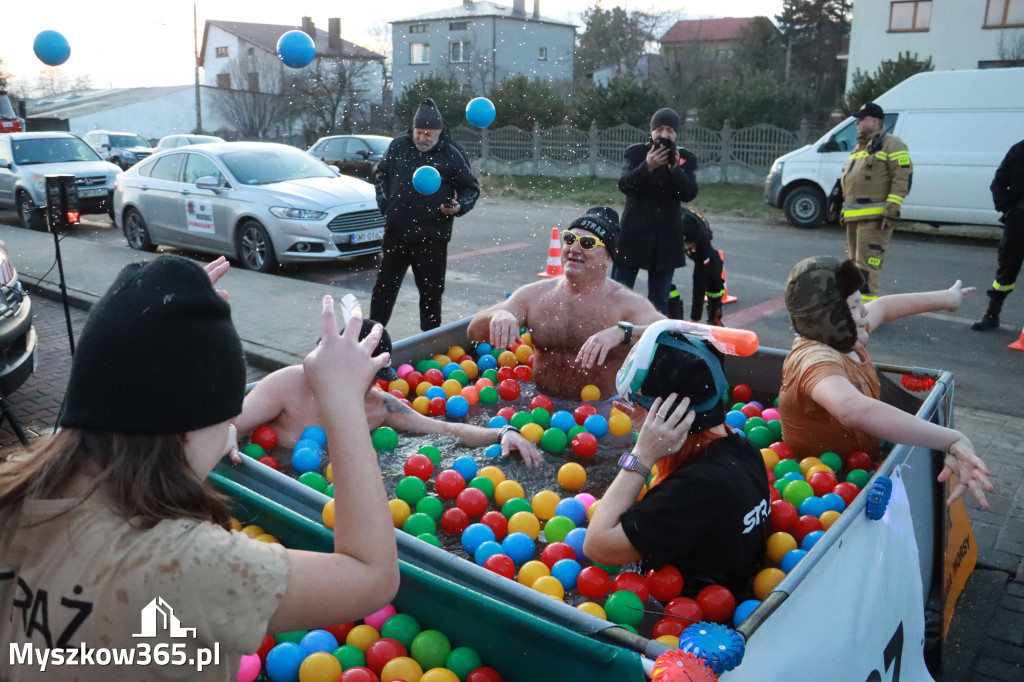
145 477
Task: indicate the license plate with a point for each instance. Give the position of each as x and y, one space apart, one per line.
368 236
92 192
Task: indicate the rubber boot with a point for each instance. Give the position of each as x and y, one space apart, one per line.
675 304
715 312
990 320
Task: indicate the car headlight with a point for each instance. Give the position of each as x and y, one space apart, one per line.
297 213
776 167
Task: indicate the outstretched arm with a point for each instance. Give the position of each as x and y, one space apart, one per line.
895 306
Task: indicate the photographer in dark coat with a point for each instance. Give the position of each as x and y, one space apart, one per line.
656 178
418 226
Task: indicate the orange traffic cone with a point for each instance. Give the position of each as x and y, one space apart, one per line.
554 266
1019 343
726 298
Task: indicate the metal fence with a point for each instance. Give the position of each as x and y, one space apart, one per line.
729 155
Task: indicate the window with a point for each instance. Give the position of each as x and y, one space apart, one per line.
167 167
458 26
419 28
910 15
1002 13
222 51
419 53
199 166
251 51
254 81
224 81
460 51
542 54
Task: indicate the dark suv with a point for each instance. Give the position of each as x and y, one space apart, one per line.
356 155
17 336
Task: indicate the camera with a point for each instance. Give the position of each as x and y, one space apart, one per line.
665 142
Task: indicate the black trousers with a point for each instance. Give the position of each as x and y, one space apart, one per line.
429 261
1011 254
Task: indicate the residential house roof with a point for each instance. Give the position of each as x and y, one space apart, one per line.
265 36
68 105
482 8
706 30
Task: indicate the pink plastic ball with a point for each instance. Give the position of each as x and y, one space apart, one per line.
403 369
249 669
377 618
587 499
769 413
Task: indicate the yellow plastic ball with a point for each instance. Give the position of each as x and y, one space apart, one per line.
766 580
532 432
828 518
421 404
524 522
456 352
236 524
423 387
531 571
806 463
778 545
572 476
470 368
399 385
328 513
544 504
493 473
253 531
329 473
439 675
619 424
506 490
593 609
770 457
590 393
442 359
549 585
591 510
819 467
401 668
451 387
362 636
671 641
507 359
523 353
527 338
267 538
319 666
400 511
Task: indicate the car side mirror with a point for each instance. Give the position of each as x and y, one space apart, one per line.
208 182
105 146
334 169
829 145
365 153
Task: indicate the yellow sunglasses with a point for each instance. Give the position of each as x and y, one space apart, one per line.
587 243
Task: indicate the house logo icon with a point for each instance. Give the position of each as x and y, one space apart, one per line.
158 617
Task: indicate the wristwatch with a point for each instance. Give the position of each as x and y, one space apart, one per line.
505 429
629 462
627 329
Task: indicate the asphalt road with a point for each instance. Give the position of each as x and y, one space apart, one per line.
503 244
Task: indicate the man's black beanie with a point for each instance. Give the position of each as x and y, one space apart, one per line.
428 116
158 354
604 223
666 117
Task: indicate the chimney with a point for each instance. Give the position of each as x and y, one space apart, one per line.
519 8
308 28
334 34
536 9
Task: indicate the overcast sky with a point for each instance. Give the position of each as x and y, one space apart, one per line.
130 43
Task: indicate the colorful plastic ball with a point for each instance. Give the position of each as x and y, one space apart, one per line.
778 545
858 477
571 508
494 473
436 393
320 666
472 501
421 404
625 608
402 627
848 491
430 505
717 603
665 584
752 411
785 466
385 438
506 490
439 675
296 49
532 432
328 513
531 571
549 585
791 559
254 450
486 361
474 536
796 492
380 652
502 564
522 373
520 419
270 461
418 524
485 551
743 611
575 431
52 48
400 669
466 466
811 539
553 440
584 444
685 610
832 461
593 609
775 426
349 656
497 521
590 393
859 460
449 483
563 420
783 516
514 506
632 582
400 511
741 392
542 416
593 582
249 668
430 649
828 518
619 424
283 662
586 498
266 437
822 482
805 525
359 674
493 451
488 395
669 627
596 424
426 180
555 552
454 521
462 661
411 489
581 413
770 414
524 523
456 406
572 476
782 450
480 112
834 502
766 580
557 528
305 459
760 436
813 506
566 571
295 636
544 503
420 466
735 419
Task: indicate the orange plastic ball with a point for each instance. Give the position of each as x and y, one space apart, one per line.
319 666
549 585
470 368
506 490
619 424
401 669
531 571
507 359
532 432
778 545
471 395
591 509
439 675
421 404
806 463
590 393
451 387
455 352
253 531
544 504
527 338
524 522
442 359
421 388
399 385
572 476
495 474
523 352
770 457
827 518
267 538
236 524
765 582
362 636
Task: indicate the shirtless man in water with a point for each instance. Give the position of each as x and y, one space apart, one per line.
574 320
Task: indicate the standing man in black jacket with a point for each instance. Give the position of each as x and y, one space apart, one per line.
656 178
1008 196
418 226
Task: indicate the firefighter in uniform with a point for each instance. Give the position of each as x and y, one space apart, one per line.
875 181
1008 196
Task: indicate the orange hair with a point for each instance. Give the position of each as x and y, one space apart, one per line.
692 448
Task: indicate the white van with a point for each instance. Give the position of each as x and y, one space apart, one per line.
958 126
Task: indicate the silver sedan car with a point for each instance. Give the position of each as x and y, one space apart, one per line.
259 202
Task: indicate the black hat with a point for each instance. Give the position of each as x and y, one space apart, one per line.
869 109
386 373
816 293
428 116
695 226
603 222
158 354
666 117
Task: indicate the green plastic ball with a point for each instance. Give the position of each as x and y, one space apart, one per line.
557 528
488 395
796 492
753 422
412 489
329 492
483 484
253 450
491 374
402 627
462 661
832 461
610 569
514 506
430 649
624 607
858 477
786 466
430 505
295 636
418 524
432 364
385 438
775 403
521 419
541 416
632 629
574 431
430 539
314 481
422 365
736 407
432 452
761 437
554 440
780 484
775 426
349 656
460 376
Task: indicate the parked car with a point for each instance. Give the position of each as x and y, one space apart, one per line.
27 158
121 149
356 155
263 203
172 141
17 335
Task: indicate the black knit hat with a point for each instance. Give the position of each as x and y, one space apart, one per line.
386 373
158 354
666 117
604 223
428 116
816 293
691 368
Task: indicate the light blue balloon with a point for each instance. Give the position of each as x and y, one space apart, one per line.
51 48
296 49
426 180
480 112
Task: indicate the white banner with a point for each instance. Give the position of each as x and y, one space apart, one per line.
858 616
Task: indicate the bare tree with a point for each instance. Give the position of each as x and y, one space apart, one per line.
51 81
330 95
252 104
1011 46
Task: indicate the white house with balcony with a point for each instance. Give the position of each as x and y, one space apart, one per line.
956 34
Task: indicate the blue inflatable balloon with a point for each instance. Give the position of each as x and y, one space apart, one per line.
51 47
296 49
426 180
480 112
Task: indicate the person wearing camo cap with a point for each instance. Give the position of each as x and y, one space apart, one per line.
829 400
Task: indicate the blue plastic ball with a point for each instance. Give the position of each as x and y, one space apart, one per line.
566 572
744 609
315 434
435 392
810 540
493 451
466 466
296 49
318 640
813 506
496 422
791 558
793 476
834 502
51 48
735 419
486 362
476 535
563 419
456 406
283 662
480 112
449 368
596 424
519 547
426 180
306 459
304 443
574 539
483 349
573 509
485 551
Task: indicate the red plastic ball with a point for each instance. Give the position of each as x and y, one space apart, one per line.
359 674
381 384
484 674
413 378
473 501
266 645
498 523
449 484
420 466
522 372
804 525
502 565
508 389
529 360
434 376
593 582
717 603
507 412
454 521
684 609
775 494
398 394
437 406
741 393
782 450
822 482
859 460
381 651
848 491
265 436
632 581
505 373
783 516
270 461
669 626
665 584
751 411
542 401
582 412
555 552
771 478
584 444
340 631
406 402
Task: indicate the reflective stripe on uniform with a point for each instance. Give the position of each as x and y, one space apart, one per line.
895 198
901 157
1002 287
859 155
875 261
861 210
715 294
864 298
